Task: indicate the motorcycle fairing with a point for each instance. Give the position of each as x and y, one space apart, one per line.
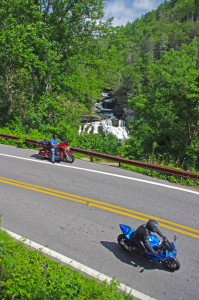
158 257
127 230
45 152
170 254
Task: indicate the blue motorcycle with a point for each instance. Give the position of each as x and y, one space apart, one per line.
166 250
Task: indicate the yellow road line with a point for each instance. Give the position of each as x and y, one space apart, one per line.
102 205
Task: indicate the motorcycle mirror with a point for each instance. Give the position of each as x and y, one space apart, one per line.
175 238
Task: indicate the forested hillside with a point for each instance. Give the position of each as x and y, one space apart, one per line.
48 60
159 80
56 57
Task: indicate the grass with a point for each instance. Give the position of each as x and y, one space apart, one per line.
29 274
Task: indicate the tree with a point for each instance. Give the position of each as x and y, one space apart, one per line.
169 103
45 45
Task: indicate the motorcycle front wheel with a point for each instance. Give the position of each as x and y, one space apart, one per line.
172 264
69 158
122 241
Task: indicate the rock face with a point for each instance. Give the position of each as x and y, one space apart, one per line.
108 107
128 114
109 102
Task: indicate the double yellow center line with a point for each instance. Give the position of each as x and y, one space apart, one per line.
106 206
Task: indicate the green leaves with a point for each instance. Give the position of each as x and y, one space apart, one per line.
169 102
28 274
48 48
57 56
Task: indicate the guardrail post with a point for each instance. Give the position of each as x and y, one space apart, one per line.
119 161
91 156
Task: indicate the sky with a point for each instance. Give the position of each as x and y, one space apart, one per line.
125 11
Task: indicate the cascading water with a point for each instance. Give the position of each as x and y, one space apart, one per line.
119 131
107 125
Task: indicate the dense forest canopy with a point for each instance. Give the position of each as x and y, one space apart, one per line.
57 56
49 53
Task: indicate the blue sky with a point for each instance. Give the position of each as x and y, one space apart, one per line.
125 11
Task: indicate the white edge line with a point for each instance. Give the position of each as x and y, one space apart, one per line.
78 266
108 174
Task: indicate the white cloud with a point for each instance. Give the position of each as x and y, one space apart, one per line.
147 5
125 11
121 13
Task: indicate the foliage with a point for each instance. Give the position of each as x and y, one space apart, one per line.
50 62
167 111
105 143
28 274
58 56
163 176
158 79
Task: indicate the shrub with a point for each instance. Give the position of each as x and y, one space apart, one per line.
28 274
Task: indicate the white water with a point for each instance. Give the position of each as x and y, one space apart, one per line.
107 126
106 112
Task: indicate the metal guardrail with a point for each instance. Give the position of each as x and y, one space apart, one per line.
8 136
17 138
150 166
31 141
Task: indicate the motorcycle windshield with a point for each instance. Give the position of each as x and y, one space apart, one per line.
170 247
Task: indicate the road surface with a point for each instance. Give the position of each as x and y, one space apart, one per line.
75 209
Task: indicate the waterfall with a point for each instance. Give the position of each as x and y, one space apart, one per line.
107 126
106 110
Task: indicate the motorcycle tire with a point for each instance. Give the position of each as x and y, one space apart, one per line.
172 264
69 158
121 241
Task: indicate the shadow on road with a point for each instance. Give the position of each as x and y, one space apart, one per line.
132 259
35 156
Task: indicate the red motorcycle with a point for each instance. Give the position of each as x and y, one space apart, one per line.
62 152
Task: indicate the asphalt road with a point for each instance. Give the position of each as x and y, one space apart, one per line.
75 209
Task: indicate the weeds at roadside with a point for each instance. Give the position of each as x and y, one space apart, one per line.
29 274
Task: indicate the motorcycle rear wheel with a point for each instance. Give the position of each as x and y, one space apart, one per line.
172 264
69 158
122 241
